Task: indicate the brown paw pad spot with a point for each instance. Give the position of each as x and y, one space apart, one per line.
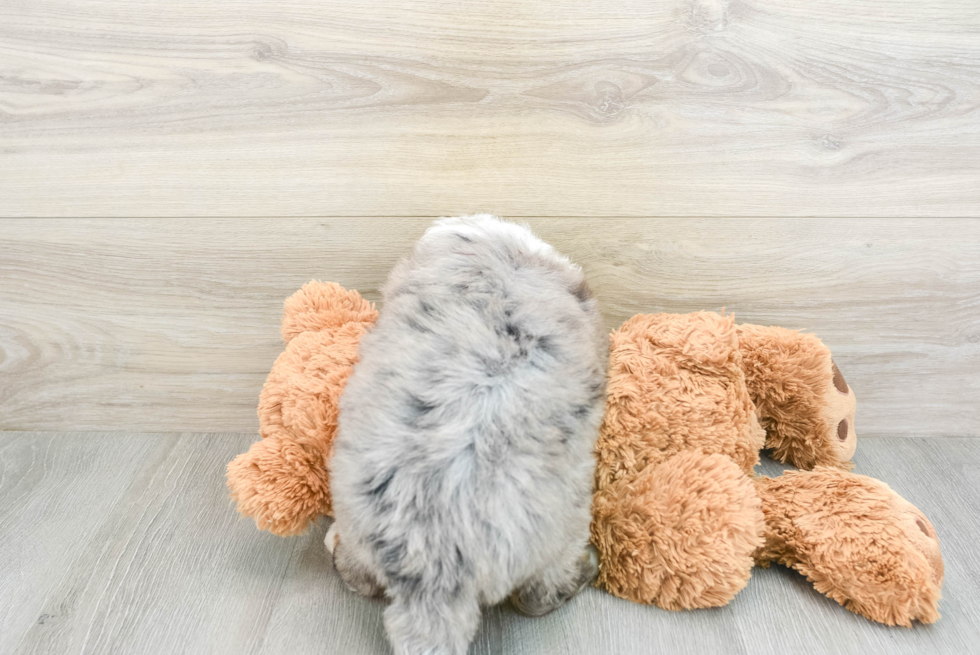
842 430
925 528
839 378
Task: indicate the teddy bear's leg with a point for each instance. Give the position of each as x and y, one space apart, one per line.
801 398
858 541
555 586
680 534
280 484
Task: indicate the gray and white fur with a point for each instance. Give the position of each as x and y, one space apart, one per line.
464 462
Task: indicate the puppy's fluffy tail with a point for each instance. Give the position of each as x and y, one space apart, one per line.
427 625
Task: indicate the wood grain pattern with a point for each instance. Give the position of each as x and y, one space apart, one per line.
125 543
173 325
399 108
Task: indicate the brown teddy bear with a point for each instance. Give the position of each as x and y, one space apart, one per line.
679 518
282 481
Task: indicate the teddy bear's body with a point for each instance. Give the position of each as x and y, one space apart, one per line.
678 516
677 445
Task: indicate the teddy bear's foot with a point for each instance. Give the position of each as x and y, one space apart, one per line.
801 398
680 534
543 594
858 541
281 485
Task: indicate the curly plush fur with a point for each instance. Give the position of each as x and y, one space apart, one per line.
463 462
858 542
282 481
676 518
800 395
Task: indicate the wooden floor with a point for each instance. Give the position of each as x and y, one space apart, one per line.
125 543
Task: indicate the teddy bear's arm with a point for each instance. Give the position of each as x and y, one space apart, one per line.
801 399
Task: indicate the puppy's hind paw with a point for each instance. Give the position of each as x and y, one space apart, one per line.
330 541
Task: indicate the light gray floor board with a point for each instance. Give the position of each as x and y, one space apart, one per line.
138 547
56 494
126 543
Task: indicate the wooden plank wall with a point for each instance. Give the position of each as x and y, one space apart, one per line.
524 108
172 325
137 140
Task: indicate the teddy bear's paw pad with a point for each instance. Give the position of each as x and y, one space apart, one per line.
838 407
681 534
803 401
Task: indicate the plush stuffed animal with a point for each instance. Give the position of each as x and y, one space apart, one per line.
679 518
282 481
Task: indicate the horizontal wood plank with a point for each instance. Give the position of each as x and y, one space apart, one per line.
584 108
172 325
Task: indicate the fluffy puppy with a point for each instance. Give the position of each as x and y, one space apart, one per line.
463 465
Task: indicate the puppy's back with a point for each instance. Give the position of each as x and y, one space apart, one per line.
463 462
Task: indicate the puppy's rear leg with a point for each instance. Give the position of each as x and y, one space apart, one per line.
355 575
557 584
442 625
